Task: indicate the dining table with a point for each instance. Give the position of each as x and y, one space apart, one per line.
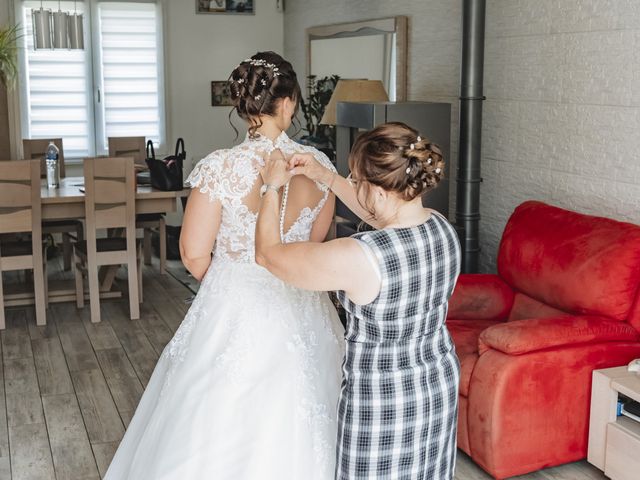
68 202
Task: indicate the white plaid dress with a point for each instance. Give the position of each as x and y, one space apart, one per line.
399 400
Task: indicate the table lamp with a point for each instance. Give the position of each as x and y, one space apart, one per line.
353 91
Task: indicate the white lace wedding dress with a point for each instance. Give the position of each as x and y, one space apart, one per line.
248 386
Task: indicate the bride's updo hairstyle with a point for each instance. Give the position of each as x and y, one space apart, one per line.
258 83
396 158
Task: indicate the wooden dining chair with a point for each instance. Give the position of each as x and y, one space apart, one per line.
128 147
20 212
71 229
148 222
109 185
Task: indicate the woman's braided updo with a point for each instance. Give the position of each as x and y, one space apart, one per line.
258 83
394 157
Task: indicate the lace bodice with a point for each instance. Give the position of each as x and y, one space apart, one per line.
229 175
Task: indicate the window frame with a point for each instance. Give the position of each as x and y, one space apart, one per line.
93 71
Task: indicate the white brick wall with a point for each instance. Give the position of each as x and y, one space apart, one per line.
562 116
562 79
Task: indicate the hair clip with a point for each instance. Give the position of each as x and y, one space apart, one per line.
257 97
408 170
438 170
263 82
429 160
418 139
412 146
241 80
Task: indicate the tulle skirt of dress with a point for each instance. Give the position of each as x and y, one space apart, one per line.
246 389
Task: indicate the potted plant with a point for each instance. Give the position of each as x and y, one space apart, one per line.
9 36
319 91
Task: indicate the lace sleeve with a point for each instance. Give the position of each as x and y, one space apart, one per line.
208 175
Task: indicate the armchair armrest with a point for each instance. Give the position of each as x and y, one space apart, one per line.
524 336
480 297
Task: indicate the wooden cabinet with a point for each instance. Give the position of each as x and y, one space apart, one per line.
614 442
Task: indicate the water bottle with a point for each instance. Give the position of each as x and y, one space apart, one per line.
53 166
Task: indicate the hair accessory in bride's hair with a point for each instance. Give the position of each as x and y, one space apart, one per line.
258 62
263 82
240 80
257 97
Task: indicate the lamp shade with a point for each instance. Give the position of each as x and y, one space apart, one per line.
76 32
60 35
41 28
353 91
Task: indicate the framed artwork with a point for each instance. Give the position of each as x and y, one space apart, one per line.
220 94
243 7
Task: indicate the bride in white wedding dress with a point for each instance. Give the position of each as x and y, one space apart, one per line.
247 388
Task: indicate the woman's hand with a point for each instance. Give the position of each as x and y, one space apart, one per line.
275 171
306 164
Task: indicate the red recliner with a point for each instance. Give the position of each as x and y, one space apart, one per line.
565 301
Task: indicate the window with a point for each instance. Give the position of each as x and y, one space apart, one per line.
114 87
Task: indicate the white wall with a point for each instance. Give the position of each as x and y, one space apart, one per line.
562 116
200 48
206 47
562 79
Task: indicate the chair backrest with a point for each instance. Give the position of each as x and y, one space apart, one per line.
573 262
109 185
36 148
128 147
20 209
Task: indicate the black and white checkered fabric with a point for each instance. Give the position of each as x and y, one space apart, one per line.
399 400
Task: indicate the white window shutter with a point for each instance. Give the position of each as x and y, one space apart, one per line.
131 72
57 91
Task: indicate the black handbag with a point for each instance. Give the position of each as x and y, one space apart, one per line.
166 173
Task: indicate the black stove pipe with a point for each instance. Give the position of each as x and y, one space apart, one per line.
471 98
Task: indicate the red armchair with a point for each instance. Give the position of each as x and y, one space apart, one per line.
565 301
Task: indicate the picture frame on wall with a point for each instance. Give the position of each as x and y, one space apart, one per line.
220 94
238 7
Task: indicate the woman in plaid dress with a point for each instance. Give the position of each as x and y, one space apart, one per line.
397 411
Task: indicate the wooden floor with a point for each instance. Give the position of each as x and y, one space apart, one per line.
68 390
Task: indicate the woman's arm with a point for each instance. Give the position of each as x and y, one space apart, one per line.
197 237
306 164
336 265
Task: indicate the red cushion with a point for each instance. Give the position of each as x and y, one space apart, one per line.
480 296
577 263
525 307
524 336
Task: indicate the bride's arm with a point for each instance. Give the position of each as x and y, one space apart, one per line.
197 237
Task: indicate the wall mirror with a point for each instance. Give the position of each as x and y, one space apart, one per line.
373 50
